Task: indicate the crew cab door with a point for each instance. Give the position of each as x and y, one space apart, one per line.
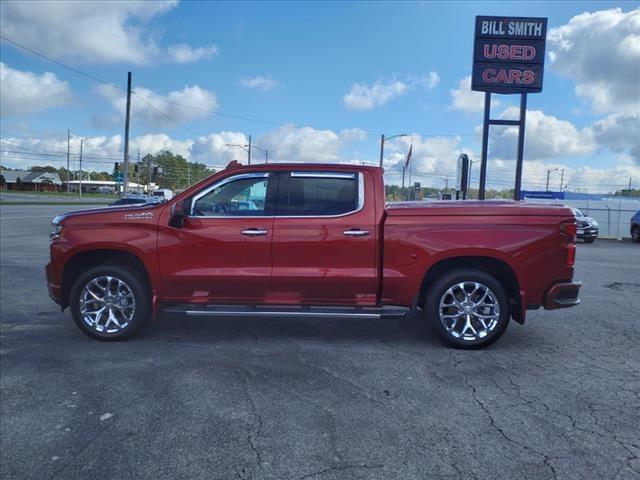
222 253
324 239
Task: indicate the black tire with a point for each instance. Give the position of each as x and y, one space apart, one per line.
589 240
438 289
141 295
635 233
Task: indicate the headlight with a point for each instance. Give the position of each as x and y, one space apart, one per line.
56 230
56 226
594 223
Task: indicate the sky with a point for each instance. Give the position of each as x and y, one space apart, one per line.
318 82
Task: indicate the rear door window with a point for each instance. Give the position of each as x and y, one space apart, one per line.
312 194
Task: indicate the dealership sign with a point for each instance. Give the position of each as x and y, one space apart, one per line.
508 54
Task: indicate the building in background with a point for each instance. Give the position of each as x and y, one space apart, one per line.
30 181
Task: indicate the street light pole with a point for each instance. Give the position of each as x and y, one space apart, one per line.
384 139
249 152
549 170
68 154
80 172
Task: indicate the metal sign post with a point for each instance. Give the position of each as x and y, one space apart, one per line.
508 58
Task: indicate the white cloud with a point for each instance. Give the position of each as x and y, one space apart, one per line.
600 51
212 149
429 81
434 158
158 142
367 97
302 144
94 32
25 92
545 137
469 101
183 53
260 82
161 110
620 132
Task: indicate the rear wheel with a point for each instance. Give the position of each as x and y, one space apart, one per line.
635 233
110 302
468 308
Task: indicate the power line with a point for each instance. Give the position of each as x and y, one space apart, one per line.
215 112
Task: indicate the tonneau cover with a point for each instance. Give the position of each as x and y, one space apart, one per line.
476 207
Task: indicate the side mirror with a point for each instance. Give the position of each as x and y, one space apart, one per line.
177 214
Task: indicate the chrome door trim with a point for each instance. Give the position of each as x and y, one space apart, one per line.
356 233
304 174
254 232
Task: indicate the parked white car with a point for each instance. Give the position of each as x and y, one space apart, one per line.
163 193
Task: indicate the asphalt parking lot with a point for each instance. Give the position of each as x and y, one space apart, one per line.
317 399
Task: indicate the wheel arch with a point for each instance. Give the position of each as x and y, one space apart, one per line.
83 260
499 269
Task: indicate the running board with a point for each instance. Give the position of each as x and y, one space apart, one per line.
196 310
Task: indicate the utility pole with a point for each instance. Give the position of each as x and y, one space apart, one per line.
266 156
125 169
381 148
68 150
561 179
148 173
80 172
249 151
548 174
629 191
409 192
138 172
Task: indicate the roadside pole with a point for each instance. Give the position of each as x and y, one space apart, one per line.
80 172
68 151
125 169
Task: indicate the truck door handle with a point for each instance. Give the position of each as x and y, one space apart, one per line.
356 233
253 232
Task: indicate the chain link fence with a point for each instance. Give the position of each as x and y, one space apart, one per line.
613 214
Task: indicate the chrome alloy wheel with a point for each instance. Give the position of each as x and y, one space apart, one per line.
107 304
469 311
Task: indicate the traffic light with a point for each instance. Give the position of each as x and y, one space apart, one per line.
135 168
117 167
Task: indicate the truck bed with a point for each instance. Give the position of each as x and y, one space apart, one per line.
476 207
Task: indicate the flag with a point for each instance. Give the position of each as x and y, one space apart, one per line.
406 163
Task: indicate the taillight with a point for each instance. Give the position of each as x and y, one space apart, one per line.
571 254
570 229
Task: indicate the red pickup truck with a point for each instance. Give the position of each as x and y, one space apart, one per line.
299 239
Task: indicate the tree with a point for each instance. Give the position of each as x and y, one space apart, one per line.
46 168
169 171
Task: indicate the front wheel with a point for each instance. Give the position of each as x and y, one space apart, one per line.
110 302
590 240
468 308
635 233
